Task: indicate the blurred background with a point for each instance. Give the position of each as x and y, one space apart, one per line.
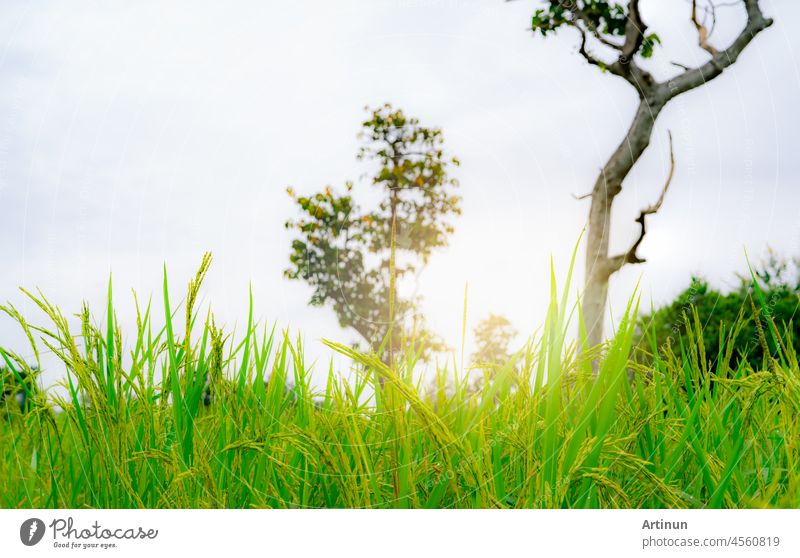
138 134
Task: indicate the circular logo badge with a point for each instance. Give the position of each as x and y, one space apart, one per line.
31 531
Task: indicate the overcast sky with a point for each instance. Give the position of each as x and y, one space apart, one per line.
138 133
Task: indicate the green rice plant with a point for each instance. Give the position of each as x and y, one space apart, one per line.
187 415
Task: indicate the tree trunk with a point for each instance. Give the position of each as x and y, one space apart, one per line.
392 277
593 304
599 266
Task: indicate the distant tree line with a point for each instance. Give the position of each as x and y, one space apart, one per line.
741 316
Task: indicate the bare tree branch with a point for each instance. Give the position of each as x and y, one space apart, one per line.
630 257
587 21
582 197
590 58
681 66
756 22
624 66
634 32
703 33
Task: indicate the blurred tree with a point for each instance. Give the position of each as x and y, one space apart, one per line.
717 313
354 257
617 31
18 387
493 337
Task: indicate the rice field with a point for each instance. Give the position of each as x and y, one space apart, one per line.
190 416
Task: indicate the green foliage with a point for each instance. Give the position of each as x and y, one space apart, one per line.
544 433
718 312
609 18
604 21
353 257
648 44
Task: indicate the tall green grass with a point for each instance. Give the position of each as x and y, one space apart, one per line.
129 428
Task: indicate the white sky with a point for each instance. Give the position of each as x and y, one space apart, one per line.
138 133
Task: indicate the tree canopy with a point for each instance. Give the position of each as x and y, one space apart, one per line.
493 337
355 256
